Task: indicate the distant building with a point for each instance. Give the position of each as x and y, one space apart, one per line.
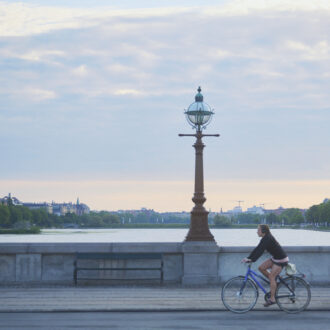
14 200
135 212
51 208
81 208
34 206
182 214
65 208
62 209
236 210
277 211
255 210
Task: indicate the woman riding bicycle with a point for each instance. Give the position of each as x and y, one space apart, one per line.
276 263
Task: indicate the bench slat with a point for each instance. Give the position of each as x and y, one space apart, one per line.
118 279
118 268
121 256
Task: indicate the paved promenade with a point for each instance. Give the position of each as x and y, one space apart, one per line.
129 298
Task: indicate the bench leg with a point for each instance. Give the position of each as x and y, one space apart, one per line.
162 272
75 276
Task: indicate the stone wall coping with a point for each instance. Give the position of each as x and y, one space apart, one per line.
306 249
71 248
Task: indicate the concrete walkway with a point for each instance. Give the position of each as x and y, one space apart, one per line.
128 298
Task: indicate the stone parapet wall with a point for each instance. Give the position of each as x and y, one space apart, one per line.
198 263
53 262
313 261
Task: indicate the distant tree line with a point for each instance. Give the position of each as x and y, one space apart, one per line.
291 216
221 220
319 215
316 215
18 216
150 216
21 217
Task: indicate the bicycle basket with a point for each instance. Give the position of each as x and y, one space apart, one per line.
290 269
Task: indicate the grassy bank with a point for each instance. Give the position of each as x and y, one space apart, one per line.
320 228
144 225
32 230
166 225
37 230
246 226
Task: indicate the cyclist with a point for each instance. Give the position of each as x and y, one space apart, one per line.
276 263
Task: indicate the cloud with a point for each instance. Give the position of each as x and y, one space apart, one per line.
315 52
36 94
124 55
40 55
248 7
127 92
19 19
34 54
80 71
22 19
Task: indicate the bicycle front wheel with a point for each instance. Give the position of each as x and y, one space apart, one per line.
293 294
238 295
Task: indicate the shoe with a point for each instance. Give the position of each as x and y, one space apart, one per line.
268 303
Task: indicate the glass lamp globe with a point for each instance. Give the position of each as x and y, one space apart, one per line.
199 113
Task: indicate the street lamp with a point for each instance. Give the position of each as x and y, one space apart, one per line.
199 115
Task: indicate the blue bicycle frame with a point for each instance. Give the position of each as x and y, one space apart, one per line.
254 275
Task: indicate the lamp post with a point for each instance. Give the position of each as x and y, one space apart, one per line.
198 116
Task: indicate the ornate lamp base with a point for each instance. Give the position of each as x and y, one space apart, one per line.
199 227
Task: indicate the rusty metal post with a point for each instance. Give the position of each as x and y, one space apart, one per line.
199 227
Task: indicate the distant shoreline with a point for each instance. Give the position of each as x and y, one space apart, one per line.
37 230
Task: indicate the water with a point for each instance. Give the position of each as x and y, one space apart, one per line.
224 237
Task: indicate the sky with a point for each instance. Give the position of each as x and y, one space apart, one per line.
92 99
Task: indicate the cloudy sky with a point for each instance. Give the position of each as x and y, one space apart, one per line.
92 95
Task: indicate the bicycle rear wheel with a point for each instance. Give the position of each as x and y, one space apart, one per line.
239 296
294 295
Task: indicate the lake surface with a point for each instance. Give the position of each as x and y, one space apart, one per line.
224 237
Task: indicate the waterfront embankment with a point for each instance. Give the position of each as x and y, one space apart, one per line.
186 263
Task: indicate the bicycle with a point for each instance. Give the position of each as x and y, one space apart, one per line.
240 294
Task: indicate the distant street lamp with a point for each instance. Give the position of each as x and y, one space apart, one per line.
199 115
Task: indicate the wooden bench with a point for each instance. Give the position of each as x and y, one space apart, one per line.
115 256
